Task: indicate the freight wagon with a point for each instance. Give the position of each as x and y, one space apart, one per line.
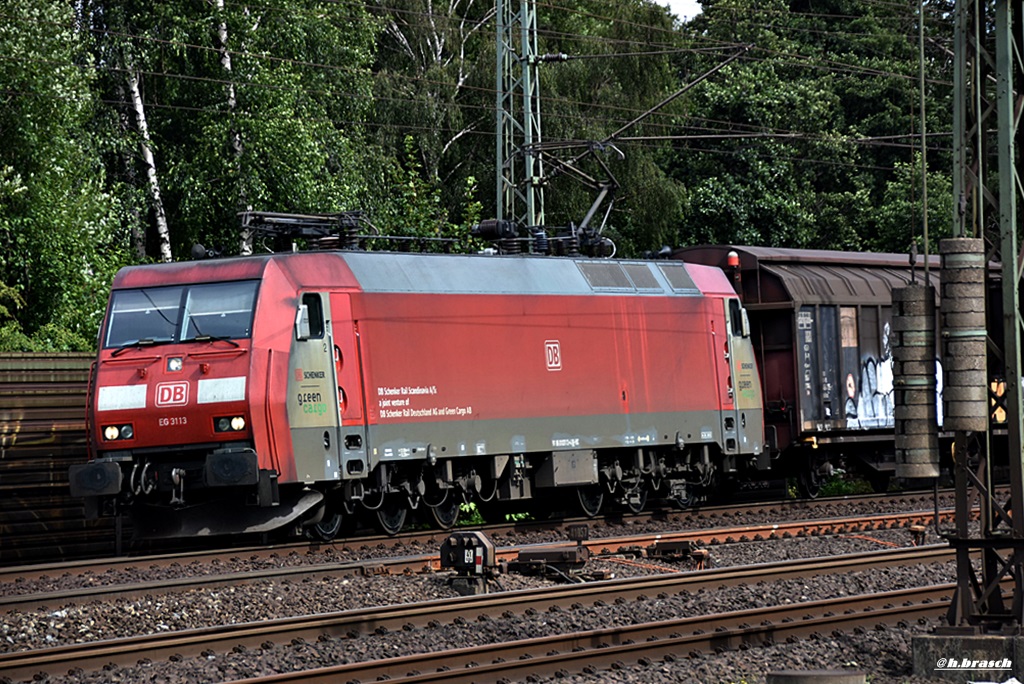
821 326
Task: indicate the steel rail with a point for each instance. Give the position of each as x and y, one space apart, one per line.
8 575
126 651
604 648
429 563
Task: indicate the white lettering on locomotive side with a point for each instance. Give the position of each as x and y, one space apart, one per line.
121 397
217 390
408 401
405 391
566 442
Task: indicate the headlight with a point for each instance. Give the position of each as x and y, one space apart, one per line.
174 364
113 433
229 424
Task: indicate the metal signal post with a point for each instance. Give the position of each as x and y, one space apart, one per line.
988 91
517 62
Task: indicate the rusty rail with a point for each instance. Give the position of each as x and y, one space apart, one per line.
126 651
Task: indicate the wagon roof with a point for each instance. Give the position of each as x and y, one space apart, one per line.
816 276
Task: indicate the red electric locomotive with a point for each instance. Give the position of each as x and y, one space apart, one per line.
253 393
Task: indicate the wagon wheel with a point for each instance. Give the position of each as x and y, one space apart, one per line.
591 498
391 515
809 479
446 513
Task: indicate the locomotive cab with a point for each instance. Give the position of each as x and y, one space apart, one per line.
170 423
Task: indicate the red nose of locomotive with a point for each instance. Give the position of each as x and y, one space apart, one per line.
168 404
177 397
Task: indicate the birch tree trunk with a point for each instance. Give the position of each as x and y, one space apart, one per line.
245 242
153 183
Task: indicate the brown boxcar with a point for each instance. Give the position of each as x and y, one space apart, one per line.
821 322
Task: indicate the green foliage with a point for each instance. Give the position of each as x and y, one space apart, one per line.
812 120
58 224
402 202
248 108
620 66
841 484
469 515
805 141
901 209
434 81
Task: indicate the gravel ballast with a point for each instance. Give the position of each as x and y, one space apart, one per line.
884 654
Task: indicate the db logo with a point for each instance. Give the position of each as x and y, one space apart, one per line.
172 394
553 353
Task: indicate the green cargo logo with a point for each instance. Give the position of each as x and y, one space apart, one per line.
312 402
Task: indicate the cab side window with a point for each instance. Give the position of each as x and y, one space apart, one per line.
736 317
313 304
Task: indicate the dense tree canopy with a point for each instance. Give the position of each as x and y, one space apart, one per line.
133 129
814 122
59 224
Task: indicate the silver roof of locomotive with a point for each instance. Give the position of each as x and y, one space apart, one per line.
468 274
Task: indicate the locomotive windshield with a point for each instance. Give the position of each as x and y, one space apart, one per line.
181 313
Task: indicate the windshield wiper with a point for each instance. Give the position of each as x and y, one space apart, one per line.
144 342
211 338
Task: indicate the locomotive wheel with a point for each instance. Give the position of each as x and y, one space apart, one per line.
327 529
446 513
591 498
391 515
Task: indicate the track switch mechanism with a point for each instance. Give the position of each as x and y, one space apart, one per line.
471 555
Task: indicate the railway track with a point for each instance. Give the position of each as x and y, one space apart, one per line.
848 611
608 528
410 563
591 651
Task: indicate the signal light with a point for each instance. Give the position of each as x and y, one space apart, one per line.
112 433
229 424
